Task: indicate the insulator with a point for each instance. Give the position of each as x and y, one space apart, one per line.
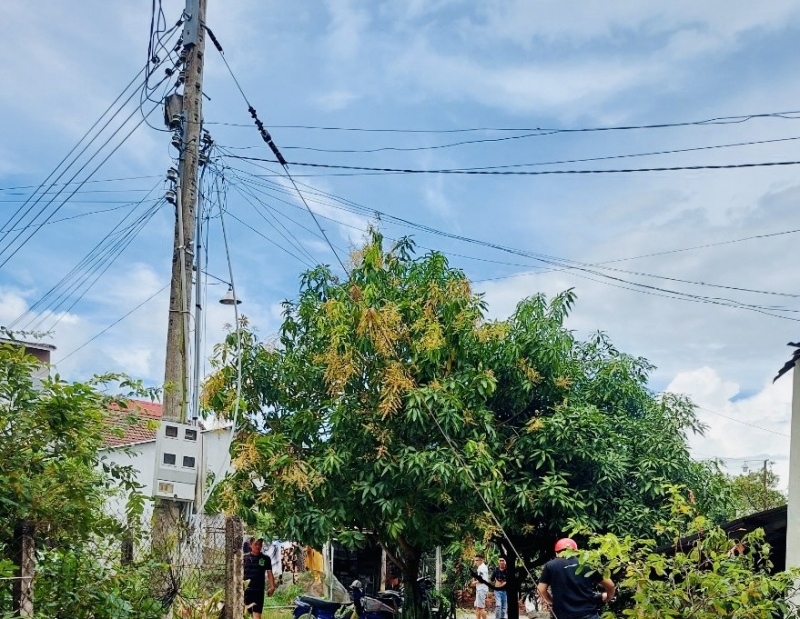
202 158
207 137
172 175
176 121
182 76
177 140
171 196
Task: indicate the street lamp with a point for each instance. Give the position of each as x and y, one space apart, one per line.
230 298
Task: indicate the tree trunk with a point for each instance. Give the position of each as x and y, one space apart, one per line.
412 596
512 587
234 585
23 556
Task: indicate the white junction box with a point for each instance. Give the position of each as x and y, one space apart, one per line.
178 454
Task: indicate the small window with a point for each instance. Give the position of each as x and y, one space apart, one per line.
165 488
190 435
188 462
169 458
172 431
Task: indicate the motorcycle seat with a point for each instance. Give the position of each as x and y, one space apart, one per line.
316 602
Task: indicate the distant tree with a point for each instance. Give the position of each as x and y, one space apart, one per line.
755 491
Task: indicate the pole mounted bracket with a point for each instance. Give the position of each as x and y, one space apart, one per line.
192 25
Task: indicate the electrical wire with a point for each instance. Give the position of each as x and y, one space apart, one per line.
102 162
67 284
79 215
268 139
554 262
113 324
14 220
93 277
294 241
277 212
720 120
366 209
94 180
234 422
52 199
517 137
742 422
490 171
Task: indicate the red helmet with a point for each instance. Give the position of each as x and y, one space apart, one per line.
564 543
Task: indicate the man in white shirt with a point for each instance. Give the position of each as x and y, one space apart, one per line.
481 586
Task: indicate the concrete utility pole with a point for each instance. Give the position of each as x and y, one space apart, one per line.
176 364
176 374
793 503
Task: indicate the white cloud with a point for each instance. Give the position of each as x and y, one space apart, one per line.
748 429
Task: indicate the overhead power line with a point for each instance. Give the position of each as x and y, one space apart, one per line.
746 423
576 268
720 120
93 180
113 324
265 135
519 137
490 171
337 201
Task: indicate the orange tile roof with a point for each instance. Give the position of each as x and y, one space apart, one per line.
136 423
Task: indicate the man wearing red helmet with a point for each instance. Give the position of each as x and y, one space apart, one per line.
569 594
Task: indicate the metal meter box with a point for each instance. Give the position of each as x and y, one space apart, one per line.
178 454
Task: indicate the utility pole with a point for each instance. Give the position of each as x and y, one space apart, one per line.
176 374
176 364
764 479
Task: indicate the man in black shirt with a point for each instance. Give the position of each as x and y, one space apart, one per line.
500 595
256 567
569 594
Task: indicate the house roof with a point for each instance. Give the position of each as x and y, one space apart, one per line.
136 422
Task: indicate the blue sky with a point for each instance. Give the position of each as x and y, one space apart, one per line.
446 65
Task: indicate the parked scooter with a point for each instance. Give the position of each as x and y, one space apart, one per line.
308 606
386 605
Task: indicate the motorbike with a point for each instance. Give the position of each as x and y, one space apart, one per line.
385 605
308 606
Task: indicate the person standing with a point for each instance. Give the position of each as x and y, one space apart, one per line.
500 594
569 594
481 583
257 571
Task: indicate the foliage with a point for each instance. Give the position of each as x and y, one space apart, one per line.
583 440
347 418
82 582
713 576
755 491
51 472
391 405
285 595
54 477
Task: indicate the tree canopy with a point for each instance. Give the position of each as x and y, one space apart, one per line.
391 405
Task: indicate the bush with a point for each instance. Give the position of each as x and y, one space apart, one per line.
713 577
83 584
